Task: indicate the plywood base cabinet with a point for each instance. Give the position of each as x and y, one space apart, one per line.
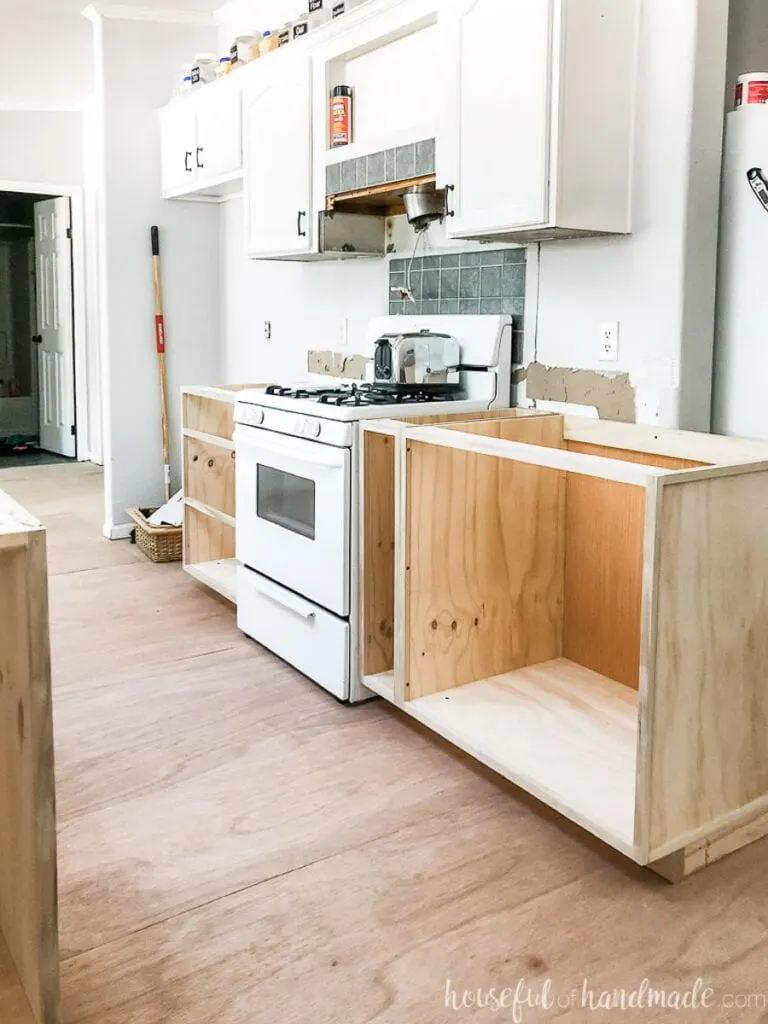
583 607
209 486
28 893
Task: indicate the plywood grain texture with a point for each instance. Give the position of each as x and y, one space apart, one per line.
485 567
206 538
562 732
378 552
209 475
710 708
237 847
208 415
28 890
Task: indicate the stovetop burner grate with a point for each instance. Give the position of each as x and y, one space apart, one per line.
364 395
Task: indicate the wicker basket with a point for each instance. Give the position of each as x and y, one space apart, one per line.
159 543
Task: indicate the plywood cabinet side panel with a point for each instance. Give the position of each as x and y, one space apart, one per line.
209 475
208 415
605 527
627 455
546 431
485 567
206 538
28 889
378 552
709 721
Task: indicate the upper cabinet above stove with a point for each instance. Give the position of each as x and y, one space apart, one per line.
523 110
536 124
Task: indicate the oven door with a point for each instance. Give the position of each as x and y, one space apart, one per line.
293 514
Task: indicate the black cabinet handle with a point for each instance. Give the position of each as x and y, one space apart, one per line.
37 339
187 158
449 212
201 166
299 219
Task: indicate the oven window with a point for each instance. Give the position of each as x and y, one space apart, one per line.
286 500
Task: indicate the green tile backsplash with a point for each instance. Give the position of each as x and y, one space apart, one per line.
389 165
486 281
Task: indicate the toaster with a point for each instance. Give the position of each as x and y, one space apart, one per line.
419 361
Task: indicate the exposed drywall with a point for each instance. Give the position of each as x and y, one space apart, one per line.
611 394
130 202
336 364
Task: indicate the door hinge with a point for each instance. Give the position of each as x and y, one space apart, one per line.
73 430
69 232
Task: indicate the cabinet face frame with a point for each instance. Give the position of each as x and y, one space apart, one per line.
671 815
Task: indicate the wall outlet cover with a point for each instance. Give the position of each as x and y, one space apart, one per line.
609 342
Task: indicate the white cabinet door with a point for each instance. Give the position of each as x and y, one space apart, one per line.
219 149
277 117
494 117
178 142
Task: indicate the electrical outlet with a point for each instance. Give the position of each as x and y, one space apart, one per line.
609 342
267 330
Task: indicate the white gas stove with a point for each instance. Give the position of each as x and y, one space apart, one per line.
298 494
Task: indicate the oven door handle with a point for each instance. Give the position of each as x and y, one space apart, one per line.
284 601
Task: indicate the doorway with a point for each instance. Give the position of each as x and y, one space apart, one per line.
37 330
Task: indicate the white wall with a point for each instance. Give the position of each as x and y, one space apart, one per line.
130 202
41 147
659 282
46 58
307 303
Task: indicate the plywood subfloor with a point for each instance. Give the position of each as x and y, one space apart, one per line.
236 847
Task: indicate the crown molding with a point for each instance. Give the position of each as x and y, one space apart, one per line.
122 12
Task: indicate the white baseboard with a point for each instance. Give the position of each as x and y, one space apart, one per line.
121 532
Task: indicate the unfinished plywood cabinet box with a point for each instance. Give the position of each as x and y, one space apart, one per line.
209 485
29 949
582 606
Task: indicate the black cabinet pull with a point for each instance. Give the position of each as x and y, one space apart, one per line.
37 339
449 212
187 158
299 219
200 165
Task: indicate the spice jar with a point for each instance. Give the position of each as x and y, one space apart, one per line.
204 70
319 13
269 42
341 116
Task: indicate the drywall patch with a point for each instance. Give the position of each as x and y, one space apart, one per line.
611 394
336 364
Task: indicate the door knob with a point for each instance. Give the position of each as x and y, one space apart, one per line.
37 339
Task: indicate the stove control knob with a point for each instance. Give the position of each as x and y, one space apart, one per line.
309 428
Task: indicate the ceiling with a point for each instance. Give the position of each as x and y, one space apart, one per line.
76 6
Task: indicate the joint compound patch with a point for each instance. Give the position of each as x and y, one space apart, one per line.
611 394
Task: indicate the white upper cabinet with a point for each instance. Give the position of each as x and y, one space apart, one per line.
219 149
277 119
536 120
178 139
201 141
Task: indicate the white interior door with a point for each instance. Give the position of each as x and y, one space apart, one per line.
55 332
